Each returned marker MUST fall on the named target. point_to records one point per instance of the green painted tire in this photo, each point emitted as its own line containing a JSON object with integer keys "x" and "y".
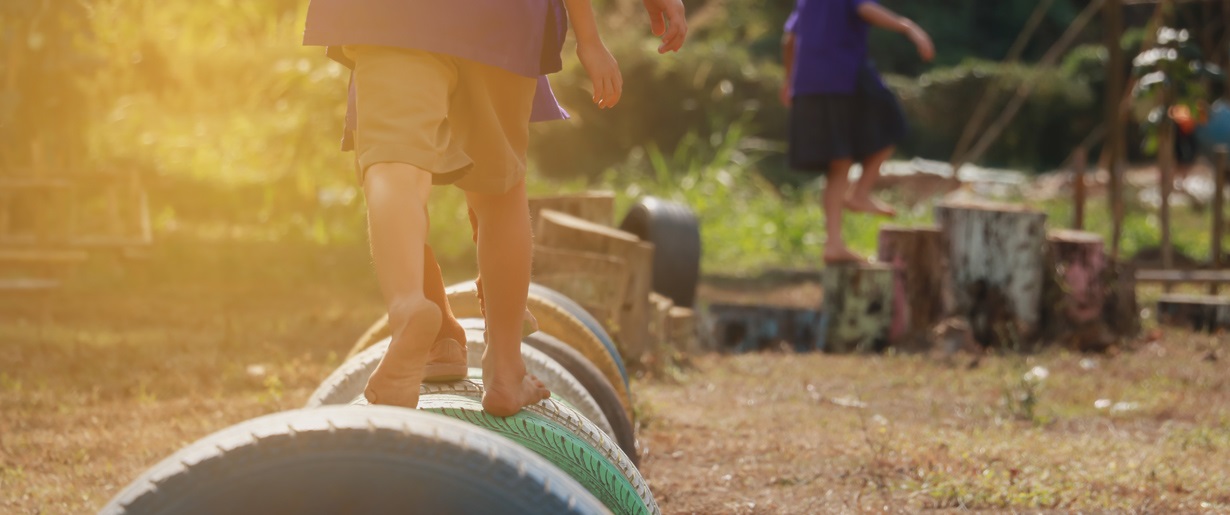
{"x": 557, "y": 433}
{"x": 346, "y": 459}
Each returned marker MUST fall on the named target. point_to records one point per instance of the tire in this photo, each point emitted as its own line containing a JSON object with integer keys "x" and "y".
{"x": 596, "y": 384}
{"x": 675, "y": 233}
{"x": 557, "y": 433}
{"x": 591, "y": 323}
{"x": 346, "y": 459}
{"x": 563, "y": 385}
{"x": 349, "y": 379}
{"x": 555, "y": 321}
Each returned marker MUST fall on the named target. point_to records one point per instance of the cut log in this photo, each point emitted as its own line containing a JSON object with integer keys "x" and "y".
{"x": 683, "y": 330}
{"x": 562, "y": 231}
{"x": 857, "y": 308}
{"x": 597, "y": 282}
{"x": 921, "y": 296}
{"x": 1080, "y": 262}
{"x": 996, "y": 265}
{"x": 594, "y": 206}
{"x": 1199, "y": 312}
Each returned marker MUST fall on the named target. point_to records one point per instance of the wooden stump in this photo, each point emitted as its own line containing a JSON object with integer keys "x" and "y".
{"x": 996, "y": 265}
{"x": 1080, "y": 262}
{"x": 683, "y": 330}
{"x": 921, "y": 296}
{"x": 595, "y": 206}
{"x": 857, "y": 309}
{"x": 1199, "y": 312}
{"x": 562, "y": 231}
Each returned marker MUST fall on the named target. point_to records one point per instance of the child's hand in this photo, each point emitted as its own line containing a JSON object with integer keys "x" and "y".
{"x": 921, "y": 40}
{"x": 603, "y": 72}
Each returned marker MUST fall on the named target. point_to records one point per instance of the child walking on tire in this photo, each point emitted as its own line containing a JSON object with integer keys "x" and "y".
{"x": 444, "y": 94}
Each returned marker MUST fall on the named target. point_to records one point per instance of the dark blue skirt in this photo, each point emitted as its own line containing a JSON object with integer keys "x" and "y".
{"x": 826, "y": 127}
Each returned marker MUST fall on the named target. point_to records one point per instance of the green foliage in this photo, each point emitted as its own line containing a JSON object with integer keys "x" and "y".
{"x": 1059, "y": 113}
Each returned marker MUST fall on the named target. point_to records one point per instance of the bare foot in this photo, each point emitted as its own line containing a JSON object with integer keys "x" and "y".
{"x": 505, "y": 394}
{"x": 870, "y": 205}
{"x": 397, "y": 378}
{"x": 840, "y": 254}
{"x": 446, "y": 362}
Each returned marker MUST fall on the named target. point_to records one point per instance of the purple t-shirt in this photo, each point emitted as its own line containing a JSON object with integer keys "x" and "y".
{"x": 830, "y": 45}
{"x": 522, "y": 36}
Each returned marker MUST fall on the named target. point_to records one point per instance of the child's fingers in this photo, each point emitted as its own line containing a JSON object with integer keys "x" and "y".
{"x": 612, "y": 95}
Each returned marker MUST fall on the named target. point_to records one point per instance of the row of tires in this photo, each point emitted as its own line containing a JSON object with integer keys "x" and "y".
{"x": 573, "y": 453}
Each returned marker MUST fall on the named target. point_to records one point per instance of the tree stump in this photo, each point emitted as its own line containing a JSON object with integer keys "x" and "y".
{"x": 557, "y": 230}
{"x": 1199, "y": 312}
{"x": 921, "y": 296}
{"x": 857, "y": 308}
{"x": 595, "y": 206}
{"x": 1080, "y": 262}
{"x": 996, "y": 265}
{"x": 683, "y": 330}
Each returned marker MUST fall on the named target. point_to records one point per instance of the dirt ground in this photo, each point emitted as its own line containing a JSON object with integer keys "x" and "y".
{"x": 134, "y": 362}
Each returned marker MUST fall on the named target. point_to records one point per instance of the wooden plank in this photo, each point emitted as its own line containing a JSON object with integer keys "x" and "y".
{"x": 594, "y": 206}
{"x": 683, "y": 329}
{"x": 1199, "y": 312}
{"x": 562, "y": 231}
{"x": 42, "y": 256}
{"x": 1183, "y": 276}
{"x": 15, "y": 184}
{"x": 598, "y": 282}
{"x": 26, "y": 285}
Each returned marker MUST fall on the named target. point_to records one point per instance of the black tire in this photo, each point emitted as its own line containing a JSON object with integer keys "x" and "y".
{"x": 675, "y": 233}
{"x": 598, "y": 386}
{"x": 348, "y": 459}
{"x": 586, "y": 318}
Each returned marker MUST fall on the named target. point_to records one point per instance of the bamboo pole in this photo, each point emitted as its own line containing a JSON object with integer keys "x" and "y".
{"x": 997, "y": 127}
{"x": 1078, "y": 190}
{"x": 984, "y": 102}
{"x": 1219, "y": 222}
{"x": 1165, "y": 163}
{"x": 1112, "y": 150}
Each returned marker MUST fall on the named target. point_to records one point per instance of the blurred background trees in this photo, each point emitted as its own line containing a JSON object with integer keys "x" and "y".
{"x": 236, "y": 126}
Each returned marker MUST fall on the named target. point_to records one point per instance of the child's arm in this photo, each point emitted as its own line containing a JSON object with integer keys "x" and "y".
{"x": 597, "y": 60}
{"x": 788, "y": 45}
{"x": 879, "y": 16}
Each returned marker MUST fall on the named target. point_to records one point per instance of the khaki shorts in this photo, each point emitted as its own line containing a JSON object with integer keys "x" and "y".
{"x": 464, "y": 122}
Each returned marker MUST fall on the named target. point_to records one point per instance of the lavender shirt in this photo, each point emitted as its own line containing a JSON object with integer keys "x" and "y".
{"x": 831, "y": 45}
{"x": 522, "y": 36}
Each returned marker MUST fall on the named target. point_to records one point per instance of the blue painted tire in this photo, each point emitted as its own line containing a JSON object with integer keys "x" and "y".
{"x": 349, "y": 459}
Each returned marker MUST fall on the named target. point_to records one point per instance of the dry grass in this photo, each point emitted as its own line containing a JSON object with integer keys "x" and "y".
{"x": 141, "y": 360}
{"x": 773, "y": 433}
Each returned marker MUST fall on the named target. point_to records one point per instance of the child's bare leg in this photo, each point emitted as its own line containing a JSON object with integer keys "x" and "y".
{"x": 504, "y": 254}
{"x": 447, "y": 359}
{"x": 860, "y": 198}
{"x": 838, "y": 182}
{"x": 397, "y": 220}
{"x": 529, "y": 325}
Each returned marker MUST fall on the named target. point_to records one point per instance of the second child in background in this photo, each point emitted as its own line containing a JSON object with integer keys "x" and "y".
{"x": 840, "y": 110}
